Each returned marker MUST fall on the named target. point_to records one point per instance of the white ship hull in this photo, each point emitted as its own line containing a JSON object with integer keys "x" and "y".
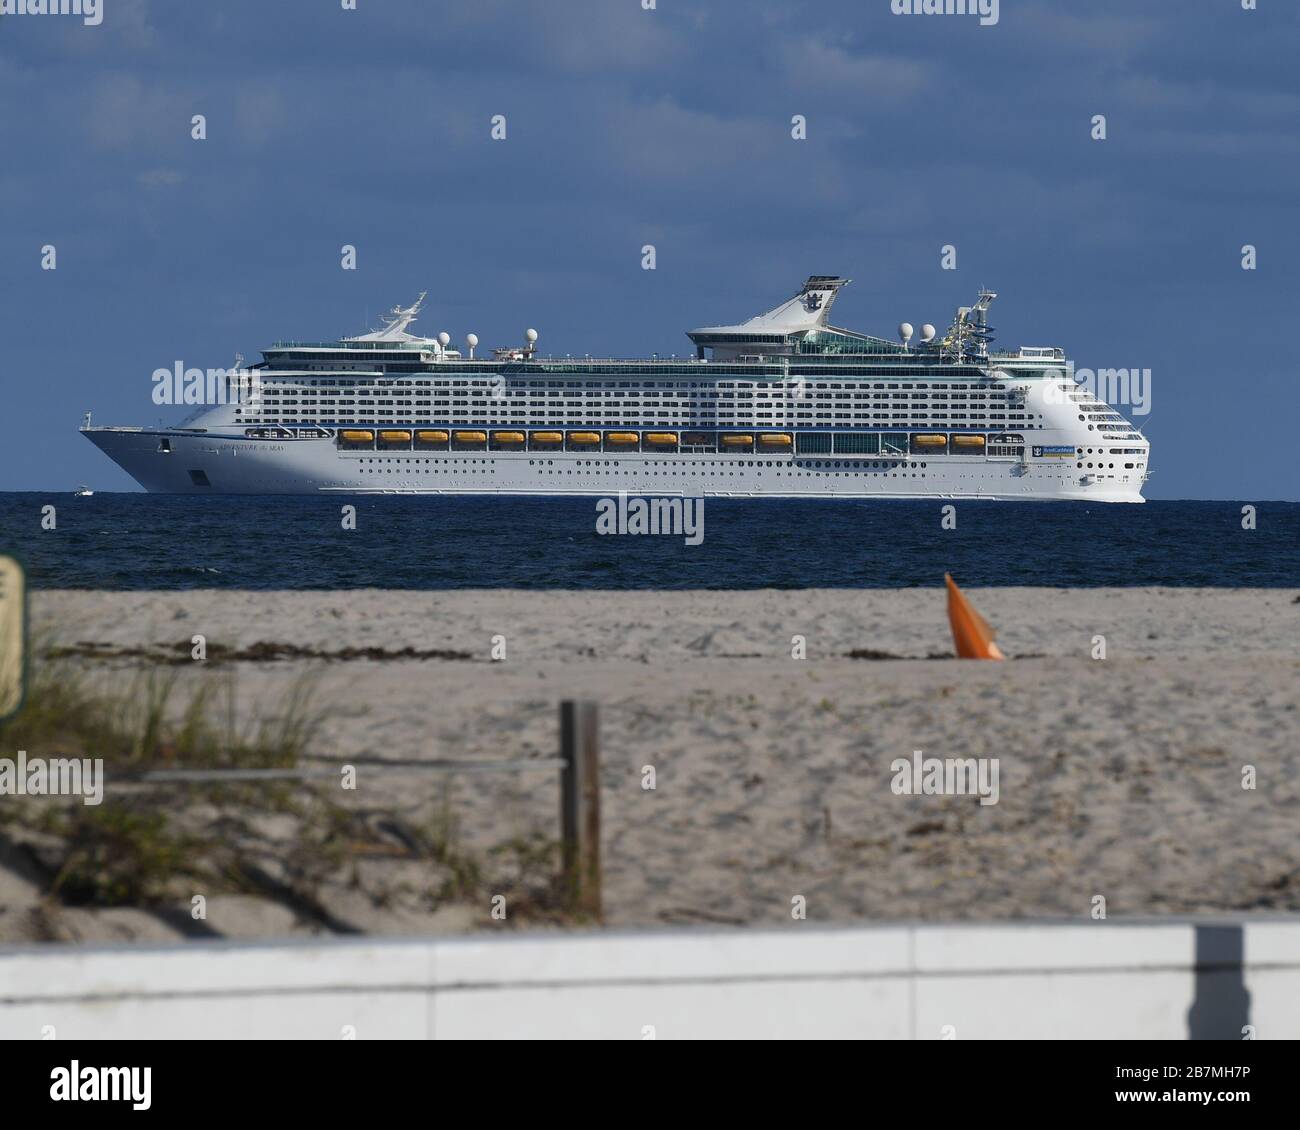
{"x": 238, "y": 465}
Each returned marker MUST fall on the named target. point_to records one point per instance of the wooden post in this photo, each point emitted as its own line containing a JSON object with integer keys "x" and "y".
{"x": 580, "y": 805}
{"x": 13, "y": 636}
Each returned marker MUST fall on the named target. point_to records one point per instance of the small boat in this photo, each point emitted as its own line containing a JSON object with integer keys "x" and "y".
{"x": 357, "y": 435}
{"x": 777, "y": 439}
{"x": 584, "y": 437}
{"x": 968, "y": 442}
{"x": 395, "y": 437}
{"x": 661, "y": 439}
{"x": 83, "y": 491}
{"x": 621, "y": 438}
{"x": 929, "y": 441}
{"x": 432, "y": 437}
{"x": 471, "y": 437}
{"x": 737, "y": 441}
{"x": 507, "y": 437}
{"x": 547, "y": 437}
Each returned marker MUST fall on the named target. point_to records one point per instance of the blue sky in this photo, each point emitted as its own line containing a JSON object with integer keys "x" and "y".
{"x": 671, "y": 127}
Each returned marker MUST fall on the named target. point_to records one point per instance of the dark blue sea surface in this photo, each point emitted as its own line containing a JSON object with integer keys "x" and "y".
{"x": 141, "y": 541}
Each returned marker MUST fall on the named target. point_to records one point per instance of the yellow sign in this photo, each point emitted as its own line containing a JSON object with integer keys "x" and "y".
{"x": 13, "y": 635}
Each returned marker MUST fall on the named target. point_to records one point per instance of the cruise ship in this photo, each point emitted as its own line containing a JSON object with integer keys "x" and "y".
{"x": 784, "y": 404}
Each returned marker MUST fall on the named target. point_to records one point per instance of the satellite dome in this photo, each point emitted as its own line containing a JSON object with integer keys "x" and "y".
{"x": 471, "y": 340}
{"x": 927, "y": 332}
{"x": 444, "y": 339}
{"x": 905, "y": 331}
{"x": 531, "y": 335}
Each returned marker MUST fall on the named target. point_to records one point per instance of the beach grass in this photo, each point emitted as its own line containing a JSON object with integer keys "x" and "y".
{"x": 132, "y": 848}
{"x": 150, "y": 845}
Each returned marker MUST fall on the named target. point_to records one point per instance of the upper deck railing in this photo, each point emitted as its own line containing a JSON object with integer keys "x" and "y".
{"x": 382, "y": 346}
{"x": 767, "y": 360}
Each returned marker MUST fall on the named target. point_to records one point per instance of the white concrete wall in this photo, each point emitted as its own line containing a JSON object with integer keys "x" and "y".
{"x": 1041, "y": 981}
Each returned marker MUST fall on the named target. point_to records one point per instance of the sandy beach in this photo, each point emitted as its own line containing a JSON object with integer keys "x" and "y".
{"x": 1119, "y": 777}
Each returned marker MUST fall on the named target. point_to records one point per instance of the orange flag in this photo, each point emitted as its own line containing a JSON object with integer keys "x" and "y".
{"x": 972, "y": 638}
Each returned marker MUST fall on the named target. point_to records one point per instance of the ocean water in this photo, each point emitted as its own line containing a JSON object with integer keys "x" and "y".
{"x": 141, "y": 541}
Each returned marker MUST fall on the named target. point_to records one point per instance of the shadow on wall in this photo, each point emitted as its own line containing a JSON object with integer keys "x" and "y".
{"x": 1221, "y": 1007}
